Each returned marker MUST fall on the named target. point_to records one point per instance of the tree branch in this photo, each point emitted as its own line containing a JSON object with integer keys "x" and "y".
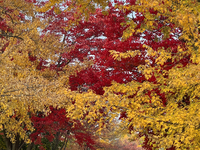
{"x": 6, "y": 35}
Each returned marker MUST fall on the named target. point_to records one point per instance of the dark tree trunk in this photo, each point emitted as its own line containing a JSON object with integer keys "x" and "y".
{"x": 56, "y": 141}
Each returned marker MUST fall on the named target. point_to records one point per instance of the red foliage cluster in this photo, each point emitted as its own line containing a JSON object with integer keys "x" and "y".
{"x": 57, "y": 124}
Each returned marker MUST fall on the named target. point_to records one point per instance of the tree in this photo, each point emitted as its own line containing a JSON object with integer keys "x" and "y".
{"x": 174, "y": 122}
{"x": 55, "y": 130}
{"x": 19, "y": 85}
{"x": 163, "y": 108}
{"x": 30, "y": 84}
{"x": 163, "y": 85}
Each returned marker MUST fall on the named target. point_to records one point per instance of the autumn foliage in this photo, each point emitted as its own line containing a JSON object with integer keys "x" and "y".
{"x": 85, "y": 74}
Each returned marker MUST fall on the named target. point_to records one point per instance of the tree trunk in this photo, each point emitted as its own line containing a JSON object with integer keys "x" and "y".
{"x": 56, "y": 141}
{"x": 30, "y": 146}
{"x": 7, "y": 141}
{"x": 13, "y": 146}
